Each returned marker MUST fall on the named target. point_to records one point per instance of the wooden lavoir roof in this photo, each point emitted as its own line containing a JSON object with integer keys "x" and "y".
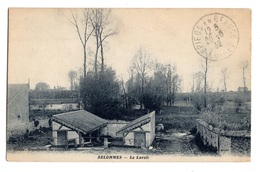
{"x": 136, "y": 123}
{"x": 81, "y": 121}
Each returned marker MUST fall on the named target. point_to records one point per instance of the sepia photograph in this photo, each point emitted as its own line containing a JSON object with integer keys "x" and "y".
{"x": 128, "y": 85}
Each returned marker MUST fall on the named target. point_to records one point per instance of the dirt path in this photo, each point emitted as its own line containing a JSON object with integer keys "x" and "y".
{"x": 177, "y": 143}
{"x": 171, "y": 143}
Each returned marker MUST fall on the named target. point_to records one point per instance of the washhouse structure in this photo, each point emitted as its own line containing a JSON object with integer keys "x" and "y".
{"x": 139, "y": 132}
{"x": 77, "y": 127}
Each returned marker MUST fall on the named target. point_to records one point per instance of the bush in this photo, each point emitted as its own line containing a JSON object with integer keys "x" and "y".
{"x": 152, "y": 101}
{"x": 198, "y": 101}
{"x": 193, "y": 131}
{"x": 214, "y": 117}
{"x": 212, "y": 100}
{"x": 239, "y": 100}
{"x": 100, "y": 93}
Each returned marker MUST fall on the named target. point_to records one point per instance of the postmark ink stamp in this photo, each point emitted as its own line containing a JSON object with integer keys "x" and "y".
{"x": 215, "y": 36}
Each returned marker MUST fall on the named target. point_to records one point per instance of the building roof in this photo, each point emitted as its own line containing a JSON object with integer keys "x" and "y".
{"x": 137, "y": 123}
{"x": 81, "y": 120}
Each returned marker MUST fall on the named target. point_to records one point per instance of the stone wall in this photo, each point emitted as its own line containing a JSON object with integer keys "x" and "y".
{"x": 241, "y": 145}
{"x": 225, "y": 142}
{"x": 208, "y": 134}
{"x": 224, "y": 145}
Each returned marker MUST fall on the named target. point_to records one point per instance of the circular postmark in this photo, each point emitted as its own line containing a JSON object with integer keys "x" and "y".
{"x": 215, "y": 36}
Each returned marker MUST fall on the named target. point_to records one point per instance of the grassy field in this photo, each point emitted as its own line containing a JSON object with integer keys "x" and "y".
{"x": 177, "y": 118}
{"x": 183, "y": 116}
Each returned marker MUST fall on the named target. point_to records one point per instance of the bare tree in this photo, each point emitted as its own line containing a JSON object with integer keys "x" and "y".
{"x": 124, "y": 94}
{"x": 72, "y": 76}
{"x": 173, "y": 82}
{"x": 160, "y": 82}
{"x": 95, "y": 24}
{"x": 80, "y": 19}
{"x": 193, "y": 83}
{"x": 244, "y": 68}
{"x": 224, "y": 77}
{"x": 206, "y": 65}
{"x": 205, "y": 69}
{"x": 103, "y": 28}
{"x": 142, "y": 65}
{"x": 197, "y": 81}
{"x": 198, "y": 98}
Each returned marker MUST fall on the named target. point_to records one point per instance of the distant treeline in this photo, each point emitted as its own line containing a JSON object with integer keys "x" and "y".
{"x": 229, "y": 96}
{"x": 53, "y": 94}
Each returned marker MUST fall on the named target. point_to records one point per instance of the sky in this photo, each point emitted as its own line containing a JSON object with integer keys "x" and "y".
{"x": 43, "y": 46}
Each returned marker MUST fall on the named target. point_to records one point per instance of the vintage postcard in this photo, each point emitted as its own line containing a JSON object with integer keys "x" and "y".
{"x": 134, "y": 85}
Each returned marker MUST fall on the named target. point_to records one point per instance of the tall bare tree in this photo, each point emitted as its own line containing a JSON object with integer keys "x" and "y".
{"x": 169, "y": 81}
{"x": 202, "y": 75}
{"x": 197, "y": 81}
{"x": 205, "y": 67}
{"x": 103, "y": 28}
{"x": 80, "y": 19}
{"x": 224, "y": 77}
{"x": 142, "y": 65}
{"x": 244, "y": 68}
{"x": 72, "y": 76}
{"x": 173, "y": 83}
{"x": 123, "y": 93}
{"x": 198, "y": 97}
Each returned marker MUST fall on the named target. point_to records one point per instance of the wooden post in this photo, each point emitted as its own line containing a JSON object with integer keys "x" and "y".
{"x": 105, "y": 142}
{"x": 218, "y": 151}
{"x": 81, "y": 139}
{"x": 98, "y": 134}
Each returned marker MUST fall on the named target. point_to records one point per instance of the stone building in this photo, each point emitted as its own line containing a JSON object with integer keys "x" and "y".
{"x": 17, "y": 109}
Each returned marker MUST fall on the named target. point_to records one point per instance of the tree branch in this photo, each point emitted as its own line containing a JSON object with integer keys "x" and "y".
{"x": 77, "y": 27}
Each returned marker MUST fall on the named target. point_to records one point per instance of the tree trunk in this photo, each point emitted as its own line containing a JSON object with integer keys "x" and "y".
{"x": 205, "y": 82}
{"x": 124, "y": 96}
{"x": 244, "y": 80}
{"x": 84, "y": 99}
{"x": 71, "y": 83}
{"x": 102, "y": 54}
{"x": 96, "y": 54}
{"x": 225, "y": 84}
{"x": 142, "y": 93}
{"x": 85, "y": 63}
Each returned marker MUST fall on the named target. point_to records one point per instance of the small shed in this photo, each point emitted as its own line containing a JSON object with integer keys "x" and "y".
{"x": 77, "y": 127}
{"x": 140, "y": 132}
